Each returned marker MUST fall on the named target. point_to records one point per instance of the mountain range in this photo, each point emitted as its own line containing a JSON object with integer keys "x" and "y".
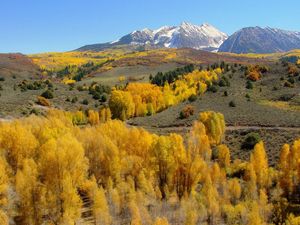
{"x": 186, "y": 35}
{"x": 207, "y": 37}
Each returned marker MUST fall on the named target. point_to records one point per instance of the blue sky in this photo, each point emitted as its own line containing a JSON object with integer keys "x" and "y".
{"x": 31, "y": 26}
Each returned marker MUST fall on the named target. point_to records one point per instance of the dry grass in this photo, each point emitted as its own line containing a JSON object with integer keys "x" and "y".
{"x": 281, "y": 105}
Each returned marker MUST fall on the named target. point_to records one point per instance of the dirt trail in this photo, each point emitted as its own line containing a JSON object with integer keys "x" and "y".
{"x": 262, "y": 128}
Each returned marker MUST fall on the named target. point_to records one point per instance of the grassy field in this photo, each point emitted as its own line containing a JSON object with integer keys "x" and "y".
{"x": 139, "y": 73}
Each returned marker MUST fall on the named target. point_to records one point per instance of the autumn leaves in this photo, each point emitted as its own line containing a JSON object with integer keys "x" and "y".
{"x": 141, "y": 99}
{"x": 52, "y": 170}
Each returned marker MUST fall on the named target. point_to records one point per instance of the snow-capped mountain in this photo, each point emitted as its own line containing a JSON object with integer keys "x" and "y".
{"x": 186, "y": 35}
{"x": 261, "y": 40}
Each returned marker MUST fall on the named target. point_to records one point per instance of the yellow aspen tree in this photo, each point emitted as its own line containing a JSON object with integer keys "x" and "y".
{"x": 116, "y": 201}
{"x": 223, "y": 156}
{"x": 4, "y": 184}
{"x": 235, "y": 190}
{"x": 164, "y": 163}
{"x": 198, "y": 142}
{"x": 296, "y": 155}
{"x": 254, "y": 217}
{"x": 289, "y": 166}
{"x": 144, "y": 184}
{"x": 292, "y": 220}
{"x": 180, "y": 177}
{"x": 93, "y": 117}
{"x": 150, "y": 109}
{"x": 191, "y": 212}
{"x": 121, "y": 105}
{"x": 215, "y": 174}
{"x": 99, "y": 204}
{"x": 135, "y": 213}
{"x": 107, "y": 114}
{"x": 79, "y": 118}
{"x": 143, "y": 202}
{"x": 285, "y": 170}
{"x": 234, "y": 213}
{"x": 102, "y": 115}
{"x": 103, "y": 155}
{"x": 63, "y": 169}
{"x": 211, "y": 196}
{"x": 251, "y": 179}
{"x": 214, "y": 125}
{"x": 3, "y": 218}
{"x": 140, "y": 107}
{"x": 71, "y": 202}
{"x": 18, "y": 141}
{"x": 161, "y": 221}
{"x": 259, "y": 161}
{"x": 29, "y": 191}
{"x": 265, "y": 207}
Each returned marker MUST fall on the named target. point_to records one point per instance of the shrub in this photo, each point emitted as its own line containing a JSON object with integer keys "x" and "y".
{"x": 291, "y": 80}
{"x": 251, "y": 140}
{"x": 47, "y": 94}
{"x": 225, "y": 93}
{"x": 80, "y": 88}
{"x": 254, "y": 75}
{"x": 232, "y": 104}
{"x": 192, "y": 98}
{"x": 249, "y": 85}
{"x": 187, "y": 112}
{"x": 96, "y": 96}
{"x": 2, "y": 79}
{"x": 85, "y": 102}
{"x": 223, "y": 82}
{"x": 288, "y": 84}
{"x": 213, "y": 88}
{"x": 43, "y": 101}
{"x": 293, "y": 70}
{"x": 50, "y": 85}
{"x": 35, "y": 111}
{"x": 74, "y": 99}
{"x": 103, "y": 98}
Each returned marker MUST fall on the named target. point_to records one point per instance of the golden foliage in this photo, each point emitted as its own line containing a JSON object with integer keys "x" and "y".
{"x": 140, "y": 99}
{"x": 128, "y": 175}
{"x": 121, "y": 104}
{"x": 254, "y": 75}
{"x": 214, "y": 125}
{"x": 43, "y": 101}
{"x": 259, "y": 161}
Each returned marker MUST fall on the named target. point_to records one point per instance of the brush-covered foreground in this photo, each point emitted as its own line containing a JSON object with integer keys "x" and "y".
{"x": 54, "y": 172}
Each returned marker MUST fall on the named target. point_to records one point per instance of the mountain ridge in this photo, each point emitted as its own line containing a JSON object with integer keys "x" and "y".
{"x": 261, "y": 40}
{"x": 186, "y": 35}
